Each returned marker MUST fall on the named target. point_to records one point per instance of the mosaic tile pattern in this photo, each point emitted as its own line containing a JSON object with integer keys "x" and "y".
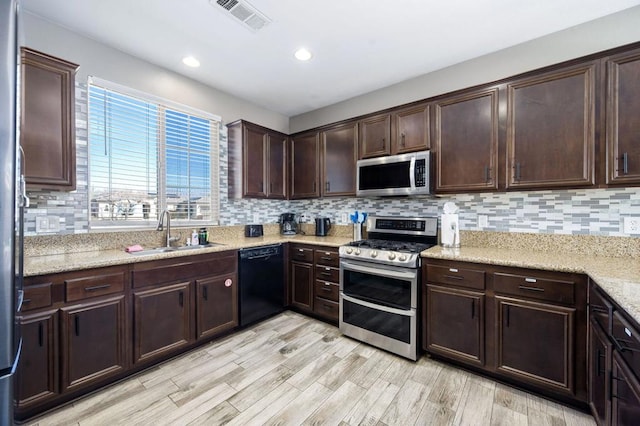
{"x": 585, "y": 211}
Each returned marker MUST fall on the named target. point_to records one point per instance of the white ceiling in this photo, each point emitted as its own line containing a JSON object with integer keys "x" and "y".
{"x": 358, "y": 45}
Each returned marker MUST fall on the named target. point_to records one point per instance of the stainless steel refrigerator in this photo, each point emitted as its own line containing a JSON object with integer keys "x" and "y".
{"x": 11, "y": 216}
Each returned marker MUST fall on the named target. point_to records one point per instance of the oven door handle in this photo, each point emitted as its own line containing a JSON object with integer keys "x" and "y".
{"x": 379, "y": 271}
{"x": 406, "y": 313}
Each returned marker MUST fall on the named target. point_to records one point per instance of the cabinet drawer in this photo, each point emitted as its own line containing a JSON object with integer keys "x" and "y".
{"x": 328, "y": 273}
{"x": 37, "y": 296}
{"x": 532, "y": 287}
{"x": 97, "y": 285}
{"x": 327, "y": 257}
{"x": 327, "y": 290}
{"x": 302, "y": 254}
{"x": 326, "y": 308}
{"x": 626, "y": 341}
{"x": 460, "y": 277}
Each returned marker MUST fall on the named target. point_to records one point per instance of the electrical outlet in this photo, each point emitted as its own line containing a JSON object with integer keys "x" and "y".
{"x": 42, "y": 224}
{"x": 631, "y": 225}
{"x": 344, "y": 217}
{"x": 483, "y": 221}
{"x": 256, "y": 218}
{"x": 46, "y": 224}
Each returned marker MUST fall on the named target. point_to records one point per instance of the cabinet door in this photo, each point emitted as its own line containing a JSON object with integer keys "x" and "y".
{"x": 302, "y": 285}
{"x": 162, "y": 321}
{"x": 47, "y": 128}
{"x": 94, "y": 342}
{"x": 305, "y": 166}
{"x": 551, "y": 129}
{"x": 216, "y": 305}
{"x": 455, "y": 324}
{"x": 535, "y": 343}
{"x": 277, "y": 166}
{"x": 625, "y": 394}
{"x": 374, "y": 136}
{"x": 339, "y": 156}
{"x": 623, "y": 121}
{"x": 466, "y": 142}
{"x": 253, "y": 162}
{"x": 37, "y": 376}
{"x": 599, "y": 369}
{"x": 411, "y": 129}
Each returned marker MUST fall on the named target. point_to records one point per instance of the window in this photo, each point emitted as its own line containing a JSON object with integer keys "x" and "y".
{"x": 147, "y": 155}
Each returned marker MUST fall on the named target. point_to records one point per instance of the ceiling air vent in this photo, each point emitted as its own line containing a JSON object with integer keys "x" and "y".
{"x": 242, "y": 12}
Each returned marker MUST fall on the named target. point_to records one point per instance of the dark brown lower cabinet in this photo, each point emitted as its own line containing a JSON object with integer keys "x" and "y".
{"x": 455, "y": 323}
{"x": 93, "y": 341}
{"x": 600, "y": 359}
{"x": 37, "y": 377}
{"x": 216, "y": 305}
{"x": 162, "y": 320}
{"x": 302, "y": 286}
{"x": 625, "y": 394}
{"x": 535, "y": 342}
{"x": 527, "y": 327}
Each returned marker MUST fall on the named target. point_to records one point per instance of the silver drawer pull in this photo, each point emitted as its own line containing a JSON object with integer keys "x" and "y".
{"x": 453, "y": 270}
{"x": 97, "y": 287}
{"x": 531, "y": 280}
{"x": 524, "y": 287}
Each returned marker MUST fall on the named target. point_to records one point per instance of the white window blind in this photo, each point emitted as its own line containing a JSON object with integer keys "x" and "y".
{"x": 146, "y": 155}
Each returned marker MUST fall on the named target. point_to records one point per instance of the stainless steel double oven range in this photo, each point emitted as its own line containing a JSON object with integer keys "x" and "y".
{"x": 380, "y": 283}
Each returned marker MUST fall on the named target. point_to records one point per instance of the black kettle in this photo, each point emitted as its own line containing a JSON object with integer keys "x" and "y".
{"x": 323, "y": 225}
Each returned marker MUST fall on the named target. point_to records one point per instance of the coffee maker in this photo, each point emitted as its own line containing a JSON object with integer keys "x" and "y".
{"x": 288, "y": 225}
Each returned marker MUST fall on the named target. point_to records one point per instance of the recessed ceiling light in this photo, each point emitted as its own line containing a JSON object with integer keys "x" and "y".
{"x": 190, "y": 61}
{"x": 303, "y": 54}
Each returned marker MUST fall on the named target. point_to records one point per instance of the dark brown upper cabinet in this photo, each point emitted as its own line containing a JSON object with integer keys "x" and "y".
{"x": 257, "y": 161}
{"x": 305, "y": 165}
{"x": 623, "y": 119}
{"x": 466, "y": 142}
{"x": 401, "y": 130}
{"x": 338, "y": 159}
{"x": 410, "y": 129}
{"x": 375, "y": 136}
{"x": 551, "y": 129}
{"x": 47, "y": 122}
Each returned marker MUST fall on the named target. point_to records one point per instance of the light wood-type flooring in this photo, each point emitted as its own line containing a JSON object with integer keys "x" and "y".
{"x": 294, "y": 370}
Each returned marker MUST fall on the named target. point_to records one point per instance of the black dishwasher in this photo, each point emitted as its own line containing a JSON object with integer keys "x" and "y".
{"x": 261, "y": 283}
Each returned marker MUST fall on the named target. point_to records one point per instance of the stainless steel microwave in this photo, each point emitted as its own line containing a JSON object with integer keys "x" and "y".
{"x": 404, "y": 174}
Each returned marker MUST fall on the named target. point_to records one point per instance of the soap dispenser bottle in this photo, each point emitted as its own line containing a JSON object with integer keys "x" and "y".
{"x": 194, "y": 238}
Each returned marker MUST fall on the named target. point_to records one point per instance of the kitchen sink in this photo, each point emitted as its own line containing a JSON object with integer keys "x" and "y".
{"x": 172, "y": 249}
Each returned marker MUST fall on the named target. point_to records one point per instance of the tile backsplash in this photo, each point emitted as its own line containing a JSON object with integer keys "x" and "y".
{"x": 582, "y": 211}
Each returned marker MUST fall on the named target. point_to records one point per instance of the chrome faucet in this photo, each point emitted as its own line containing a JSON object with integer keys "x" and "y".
{"x": 160, "y": 226}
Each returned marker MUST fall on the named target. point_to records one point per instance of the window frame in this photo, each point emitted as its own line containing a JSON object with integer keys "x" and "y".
{"x": 162, "y": 105}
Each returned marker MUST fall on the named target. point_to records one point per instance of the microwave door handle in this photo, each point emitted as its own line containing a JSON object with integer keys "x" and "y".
{"x": 377, "y": 271}
{"x": 412, "y": 172}
{"x": 406, "y": 313}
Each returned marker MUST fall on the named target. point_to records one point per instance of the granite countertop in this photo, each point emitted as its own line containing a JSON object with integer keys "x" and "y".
{"x": 619, "y": 277}
{"x": 55, "y": 263}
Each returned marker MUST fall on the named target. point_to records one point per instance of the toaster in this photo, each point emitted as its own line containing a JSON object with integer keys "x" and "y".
{"x": 253, "y": 231}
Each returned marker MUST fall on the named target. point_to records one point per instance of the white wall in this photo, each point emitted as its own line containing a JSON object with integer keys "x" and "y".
{"x": 598, "y": 35}
{"x": 110, "y": 64}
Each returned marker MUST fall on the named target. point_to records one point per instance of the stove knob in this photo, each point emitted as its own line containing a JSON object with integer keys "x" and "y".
{"x": 392, "y": 256}
{"x": 402, "y": 258}
{"x": 357, "y": 252}
{"x": 349, "y": 250}
{"x": 374, "y": 253}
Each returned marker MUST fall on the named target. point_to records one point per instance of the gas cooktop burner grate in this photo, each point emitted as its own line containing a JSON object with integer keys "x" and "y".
{"x": 398, "y": 246}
